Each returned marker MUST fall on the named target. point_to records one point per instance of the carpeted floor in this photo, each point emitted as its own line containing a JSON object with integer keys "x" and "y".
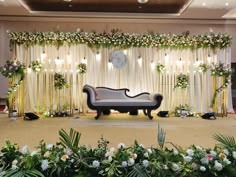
{"x": 117, "y": 128}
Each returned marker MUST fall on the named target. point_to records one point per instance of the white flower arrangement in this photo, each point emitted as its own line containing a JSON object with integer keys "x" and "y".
{"x": 37, "y": 66}
{"x": 82, "y": 68}
{"x": 182, "y": 81}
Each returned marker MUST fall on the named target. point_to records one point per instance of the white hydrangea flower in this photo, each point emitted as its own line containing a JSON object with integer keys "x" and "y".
{"x": 121, "y": 146}
{"x": 141, "y": 145}
{"x": 25, "y": 149}
{"x": 188, "y": 158}
{"x": 190, "y": 152}
{"x": 227, "y": 161}
{"x": 124, "y": 164}
{"x": 96, "y": 164}
{"x": 234, "y": 154}
{"x": 131, "y": 161}
{"x": 226, "y": 152}
{"x": 165, "y": 167}
{"x": 146, "y": 155}
{"x": 199, "y": 148}
{"x": 213, "y": 153}
{"x": 175, "y": 167}
{"x": 112, "y": 149}
{"x": 44, "y": 165}
{"x": 202, "y": 168}
{"x": 145, "y": 163}
{"x": 49, "y": 146}
{"x": 218, "y": 166}
{"x": 134, "y": 156}
{"x": 175, "y": 152}
{"x": 33, "y": 153}
{"x": 204, "y": 161}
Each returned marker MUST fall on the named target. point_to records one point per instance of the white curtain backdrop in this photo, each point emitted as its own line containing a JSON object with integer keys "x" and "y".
{"x": 40, "y": 92}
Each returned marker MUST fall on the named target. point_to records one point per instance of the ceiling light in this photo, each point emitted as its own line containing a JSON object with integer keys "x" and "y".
{"x": 142, "y": 1}
{"x": 67, "y": 0}
{"x": 2, "y": 0}
{"x": 226, "y": 3}
{"x": 203, "y": 3}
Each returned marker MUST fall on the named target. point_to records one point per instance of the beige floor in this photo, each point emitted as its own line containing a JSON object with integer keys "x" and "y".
{"x": 117, "y": 128}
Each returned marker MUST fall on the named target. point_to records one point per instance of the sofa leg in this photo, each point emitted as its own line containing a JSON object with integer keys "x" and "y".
{"x": 149, "y": 114}
{"x": 98, "y": 114}
{"x": 145, "y": 112}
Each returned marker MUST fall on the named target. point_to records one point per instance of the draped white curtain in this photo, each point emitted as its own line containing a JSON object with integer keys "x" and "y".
{"x": 40, "y": 92}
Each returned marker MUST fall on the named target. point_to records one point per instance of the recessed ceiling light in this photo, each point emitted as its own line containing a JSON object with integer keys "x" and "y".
{"x": 227, "y": 4}
{"x": 2, "y": 0}
{"x": 203, "y": 3}
{"x": 142, "y": 1}
{"x": 67, "y": 0}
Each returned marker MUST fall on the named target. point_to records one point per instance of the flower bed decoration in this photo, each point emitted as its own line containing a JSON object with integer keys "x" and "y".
{"x": 183, "y": 111}
{"x": 68, "y": 158}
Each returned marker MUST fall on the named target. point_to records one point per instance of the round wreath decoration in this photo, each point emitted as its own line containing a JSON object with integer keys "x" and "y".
{"x": 182, "y": 81}
{"x": 37, "y": 66}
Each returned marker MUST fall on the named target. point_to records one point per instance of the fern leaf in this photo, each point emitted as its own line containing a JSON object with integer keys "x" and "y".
{"x": 225, "y": 141}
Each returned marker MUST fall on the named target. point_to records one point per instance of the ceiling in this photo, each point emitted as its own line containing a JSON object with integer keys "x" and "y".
{"x": 190, "y": 9}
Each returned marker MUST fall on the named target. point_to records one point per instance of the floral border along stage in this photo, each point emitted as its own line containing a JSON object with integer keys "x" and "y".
{"x": 123, "y": 40}
{"x": 68, "y": 158}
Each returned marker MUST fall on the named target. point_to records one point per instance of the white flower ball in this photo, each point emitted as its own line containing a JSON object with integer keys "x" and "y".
{"x": 110, "y": 158}
{"x": 145, "y": 163}
{"x": 234, "y": 154}
{"x": 227, "y": 161}
{"x": 25, "y": 149}
{"x": 202, "y": 168}
{"x": 149, "y": 151}
{"x": 190, "y": 152}
{"x": 44, "y": 165}
{"x": 14, "y": 162}
{"x": 175, "y": 152}
{"x": 131, "y": 162}
{"x": 213, "y": 153}
{"x": 175, "y": 167}
{"x": 187, "y": 158}
{"x": 49, "y": 146}
{"x": 218, "y": 166}
{"x": 146, "y": 155}
{"x": 124, "y": 164}
{"x": 204, "y": 161}
{"x": 33, "y": 153}
{"x": 112, "y": 149}
{"x": 96, "y": 164}
{"x": 226, "y": 152}
{"x": 121, "y": 146}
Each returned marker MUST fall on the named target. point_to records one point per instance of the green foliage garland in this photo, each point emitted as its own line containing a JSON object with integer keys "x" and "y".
{"x": 123, "y": 40}
{"x": 68, "y": 158}
{"x": 13, "y": 69}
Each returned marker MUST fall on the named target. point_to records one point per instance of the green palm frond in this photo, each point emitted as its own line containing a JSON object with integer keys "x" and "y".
{"x": 138, "y": 171}
{"x": 70, "y": 140}
{"x": 161, "y": 136}
{"x": 23, "y": 173}
{"x": 226, "y": 141}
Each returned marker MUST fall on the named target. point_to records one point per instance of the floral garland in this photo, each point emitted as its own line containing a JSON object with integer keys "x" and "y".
{"x": 59, "y": 81}
{"x": 123, "y": 40}
{"x": 182, "y": 81}
{"x": 82, "y": 68}
{"x": 69, "y": 158}
{"x": 37, "y": 66}
{"x": 160, "y": 68}
{"x": 220, "y": 70}
{"x": 183, "y": 110}
{"x": 202, "y": 68}
{"x": 11, "y": 69}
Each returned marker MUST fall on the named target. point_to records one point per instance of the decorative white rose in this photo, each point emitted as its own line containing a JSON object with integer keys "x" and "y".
{"x": 234, "y": 154}
{"x": 134, "y": 156}
{"x": 199, "y": 148}
{"x": 187, "y": 158}
{"x": 25, "y": 149}
{"x": 14, "y": 162}
{"x": 46, "y": 154}
{"x": 49, "y": 146}
{"x": 44, "y": 165}
{"x": 190, "y": 152}
{"x": 121, "y": 146}
{"x": 175, "y": 167}
{"x": 131, "y": 162}
{"x": 112, "y": 149}
{"x": 141, "y": 145}
{"x": 149, "y": 150}
{"x": 218, "y": 166}
{"x": 96, "y": 164}
{"x": 33, "y": 153}
{"x": 124, "y": 164}
{"x": 204, "y": 161}
{"x": 213, "y": 153}
{"x": 146, "y": 155}
{"x": 227, "y": 161}
{"x": 145, "y": 163}
{"x": 110, "y": 158}
{"x": 202, "y": 168}
{"x": 175, "y": 152}
{"x": 226, "y": 152}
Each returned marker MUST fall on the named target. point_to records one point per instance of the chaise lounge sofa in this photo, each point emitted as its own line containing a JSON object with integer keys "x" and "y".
{"x": 103, "y": 99}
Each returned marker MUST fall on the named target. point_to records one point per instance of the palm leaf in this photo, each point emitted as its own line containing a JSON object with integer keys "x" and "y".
{"x": 161, "y": 137}
{"x": 226, "y": 141}
{"x": 70, "y": 140}
{"x": 138, "y": 171}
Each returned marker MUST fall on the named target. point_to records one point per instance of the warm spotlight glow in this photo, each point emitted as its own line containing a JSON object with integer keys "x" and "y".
{"x": 58, "y": 61}
{"x": 125, "y": 52}
{"x": 98, "y": 56}
{"x": 166, "y": 58}
{"x": 152, "y": 65}
{"x": 84, "y": 60}
{"x": 68, "y": 58}
{"x": 29, "y": 70}
{"x": 179, "y": 62}
{"x": 140, "y": 60}
{"x": 110, "y": 66}
{"x": 43, "y": 56}
{"x": 209, "y": 58}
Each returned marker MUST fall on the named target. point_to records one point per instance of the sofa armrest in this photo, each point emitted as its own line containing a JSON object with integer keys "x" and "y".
{"x": 156, "y": 97}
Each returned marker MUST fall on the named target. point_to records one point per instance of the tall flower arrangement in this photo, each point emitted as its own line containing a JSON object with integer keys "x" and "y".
{"x": 13, "y": 69}
{"x": 220, "y": 70}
